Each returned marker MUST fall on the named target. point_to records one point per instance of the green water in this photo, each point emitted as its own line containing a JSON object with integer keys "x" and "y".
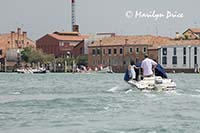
{"x": 96, "y": 103}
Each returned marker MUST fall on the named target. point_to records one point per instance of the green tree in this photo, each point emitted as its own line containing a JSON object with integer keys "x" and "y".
{"x": 82, "y": 60}
{"x": 31, "y": 55}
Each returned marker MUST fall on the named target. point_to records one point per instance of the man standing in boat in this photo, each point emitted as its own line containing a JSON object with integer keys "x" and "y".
{"x": 148, "y": 65}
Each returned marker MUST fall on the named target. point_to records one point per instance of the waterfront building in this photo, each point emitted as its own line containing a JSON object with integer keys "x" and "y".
{"x": 116, "y": 51}
{"x": 192, "y": 33}
{"x": 62, "y": 44}
{"x": 10, "y": 46}
{"x": 180, "y": 56}
{"x": 119, "y": 51}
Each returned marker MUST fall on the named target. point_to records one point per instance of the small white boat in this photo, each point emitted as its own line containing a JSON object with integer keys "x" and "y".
{"x": 154, "y": 83}
{"x": 159, "y": 82}
{"x": 31, "y": 71}
{"x": 105, "y": 70}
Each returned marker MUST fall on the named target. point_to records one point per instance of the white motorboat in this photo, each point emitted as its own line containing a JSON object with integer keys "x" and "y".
{"x": 154, "y": 83}
{"x": 159, "y": 82}
{"x": 31, "y": 71}
{"x": 106, "y": 70}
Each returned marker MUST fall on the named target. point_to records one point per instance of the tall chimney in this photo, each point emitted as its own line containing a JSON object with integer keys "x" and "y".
{"x": 19, "y": 31}
{"x": 12, "y": 40}
{"x": 24, "y": 39}
{"x": 73, "y": 13}
{"x": 177, "y": 35}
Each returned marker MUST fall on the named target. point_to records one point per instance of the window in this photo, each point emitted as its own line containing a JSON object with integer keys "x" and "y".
{"x": 184, "y": 51}
{"x": 164, "y": 51}
{"x": 174, "y": 51}
{"x": 115, "y": 51}
{"x": 131, "y": 50}
{"x": 94, "y": 63}
{"x": 1, "y": 52}
{"x": 195, "y": 50}
{"x": 121, "y": 51}
{"x": 137, "y": 50}
{"x": 98, "y": 51}
{"x": 93, "y": 51}
{"x": 184, "y": 60}
{"x": 195, "y": 59}
{"x": 164, "y": 61}
{"x": 16, "y": 41}
{"x": 144, "y": 50}
{"x": 81, "y": 50}
{"x": 109, "y": 51}
{"x": 174, "y": 60}
{"x": 104, "y": 51}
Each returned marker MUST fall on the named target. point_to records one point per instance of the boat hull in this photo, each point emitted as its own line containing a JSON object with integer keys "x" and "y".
{"x": 153, "y": 83}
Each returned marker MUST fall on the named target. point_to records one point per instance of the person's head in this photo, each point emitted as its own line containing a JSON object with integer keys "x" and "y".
{"x": 132, "y": 62}
{"x": 146, "y": 56}
{"x": 129, "y": 67}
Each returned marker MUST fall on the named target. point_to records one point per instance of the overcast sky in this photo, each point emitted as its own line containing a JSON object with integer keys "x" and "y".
{"x": 40, "y": 17}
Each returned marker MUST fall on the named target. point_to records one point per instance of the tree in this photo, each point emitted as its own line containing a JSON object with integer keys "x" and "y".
{"x": 31, "y": 55}
{"x": 82, "y": 60}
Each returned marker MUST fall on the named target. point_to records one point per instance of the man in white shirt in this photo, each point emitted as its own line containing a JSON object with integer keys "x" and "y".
{"x": 148, "y": 65}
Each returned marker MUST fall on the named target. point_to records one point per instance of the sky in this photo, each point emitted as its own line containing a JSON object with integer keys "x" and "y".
{"x": 41, "y": 17}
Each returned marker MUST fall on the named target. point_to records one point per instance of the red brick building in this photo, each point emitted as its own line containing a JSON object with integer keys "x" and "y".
{"x": 62, "y": 44}
{"x": 119, "y": 51}
{"x": 116, "y": 52}
{"x": 12, "y": 42}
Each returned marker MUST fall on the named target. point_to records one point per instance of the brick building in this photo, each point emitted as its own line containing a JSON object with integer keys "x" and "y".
{"x": 11, "y": 44}
{"x": 116, "y": 51}
{"x": 62, "y": 44}
{"x": 192, "y": 33}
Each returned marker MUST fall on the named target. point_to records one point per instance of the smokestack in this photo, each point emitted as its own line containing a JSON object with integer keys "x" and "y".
{"x": 75, "y": 28}
{"x": 12, "y": 39}
{"x": 73, "y": 14}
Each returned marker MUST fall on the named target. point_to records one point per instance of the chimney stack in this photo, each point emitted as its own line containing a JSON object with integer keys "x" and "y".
{"x": 75, "y": 28}
{"x": 12, "y": 40}
{"x": 177, "y": 35}
{"x": 19, "y": 31}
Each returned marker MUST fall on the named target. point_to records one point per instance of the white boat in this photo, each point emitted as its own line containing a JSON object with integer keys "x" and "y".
{"x": 154, "y": 83}
{"x": 105, "y": 70}
{"x": 159, "y": 82}
{"x": 31, "y": 71}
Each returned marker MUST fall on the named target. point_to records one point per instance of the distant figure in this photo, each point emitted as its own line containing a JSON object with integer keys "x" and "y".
{"x": 148, "y": 65}
{"x": 131, "y": 73}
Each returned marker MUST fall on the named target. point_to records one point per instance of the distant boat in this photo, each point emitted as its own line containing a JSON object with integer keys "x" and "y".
{"x": 32, "y": 71}
{"x": 105, "y": 70}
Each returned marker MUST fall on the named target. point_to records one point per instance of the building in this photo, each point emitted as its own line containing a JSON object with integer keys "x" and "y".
{"x": 180, "y": 56}
{"x": 117, "y": 52}
{"x": 62, "y": 44}
{"x": 192, "y": 33}
{"x": 10, "y": 46}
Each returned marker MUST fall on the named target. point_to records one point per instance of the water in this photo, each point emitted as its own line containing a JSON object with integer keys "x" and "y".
{"x": 96, "y": 103}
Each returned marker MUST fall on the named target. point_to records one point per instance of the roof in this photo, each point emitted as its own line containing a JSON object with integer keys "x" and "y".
{"x": 182, "y": 42}
{"x": 152, "y": 41}
{"x": 195, "y": 30}
{"x": 4, "y": 38}
{"x": 68, "y": 36}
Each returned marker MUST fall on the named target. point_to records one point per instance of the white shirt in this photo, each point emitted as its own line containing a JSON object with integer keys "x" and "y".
{"x": 133, "y": 71}
{"x": 147, "y": 65}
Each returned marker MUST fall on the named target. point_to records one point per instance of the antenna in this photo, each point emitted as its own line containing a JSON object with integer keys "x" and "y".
{"x": 73, "y": 13}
